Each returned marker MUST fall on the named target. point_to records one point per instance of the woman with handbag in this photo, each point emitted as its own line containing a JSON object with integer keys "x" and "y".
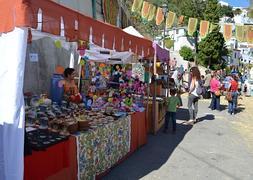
{"x": 233, "y": 95}
{"x": 194, "y": 84}
{"x": 215, "y": 86}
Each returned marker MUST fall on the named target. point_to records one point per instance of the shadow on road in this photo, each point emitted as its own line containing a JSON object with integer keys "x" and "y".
{"x": 151, "y": 156}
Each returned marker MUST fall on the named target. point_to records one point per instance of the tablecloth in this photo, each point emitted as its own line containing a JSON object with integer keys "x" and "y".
{"x": 56, "y": 162}
{"x": 101, "y": 148}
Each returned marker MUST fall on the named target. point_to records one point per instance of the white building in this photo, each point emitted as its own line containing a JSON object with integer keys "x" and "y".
{"x": 222, "y": 3}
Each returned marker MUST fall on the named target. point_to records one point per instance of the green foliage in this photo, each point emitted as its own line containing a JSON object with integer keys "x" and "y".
{"x": 237, "y": 11}
{"x": 169, "y": 43}
{"x": 212, "y": 12}
{"x": 211, "y": 50}
{"x": 193, "y": 8}
{"x": 186, "y": 53}
{"x": 226, "y": 11}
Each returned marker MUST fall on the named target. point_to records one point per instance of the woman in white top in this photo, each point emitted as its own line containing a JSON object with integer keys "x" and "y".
{"x": 193, "y": 94}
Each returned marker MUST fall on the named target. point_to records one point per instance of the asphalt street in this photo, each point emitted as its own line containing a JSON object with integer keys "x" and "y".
{"x": 219, "y": 147}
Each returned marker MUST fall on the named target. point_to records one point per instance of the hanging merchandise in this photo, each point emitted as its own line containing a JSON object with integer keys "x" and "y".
{"x": 192, "y": 26}
{"x": 145, "y": 10}
{"x": 204, "y": 28}
{"x": 227, "y": 32}
{"x": 181, "y": 20}
{"x": 159, "y": 16}
{"x": 136, "y": 7}
{"x": 239, "y": 31}
{"x": 250, "y": 35}
{"x": 170, "y": 19}
{"x": 152, "y": 10}
{"x": 57, "y": 44}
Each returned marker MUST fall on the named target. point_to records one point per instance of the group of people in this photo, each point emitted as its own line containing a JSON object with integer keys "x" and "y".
{"x": 213, "y": 85}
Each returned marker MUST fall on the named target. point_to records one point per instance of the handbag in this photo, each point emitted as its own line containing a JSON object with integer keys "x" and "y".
{"x": 217, "y": 93}
{"x": 229, "y": 96}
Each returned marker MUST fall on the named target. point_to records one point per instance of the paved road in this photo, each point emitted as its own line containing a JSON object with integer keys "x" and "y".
{"x": 220, "y": 147}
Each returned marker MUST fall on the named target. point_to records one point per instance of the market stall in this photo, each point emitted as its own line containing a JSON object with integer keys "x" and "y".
{"x": 16, "y": 26}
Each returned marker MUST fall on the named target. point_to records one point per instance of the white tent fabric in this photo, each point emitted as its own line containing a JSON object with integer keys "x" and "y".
{"x": 99, "y": 54}
{"x": 12, "y": 51}
{"x": 131, "y": 30}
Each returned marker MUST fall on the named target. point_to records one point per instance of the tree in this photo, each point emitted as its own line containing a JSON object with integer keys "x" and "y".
{"x": 212, "y": 12}
{"x": 186, "y": 53}
{"x": 212, "y": 49}
{"x": 237, "y": 11}
{"x": 226, "y": 11}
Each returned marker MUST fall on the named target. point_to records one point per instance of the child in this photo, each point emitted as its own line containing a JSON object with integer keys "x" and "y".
{"x": 173, "y": 103}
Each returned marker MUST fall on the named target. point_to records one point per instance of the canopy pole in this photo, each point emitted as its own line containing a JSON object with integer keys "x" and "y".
{"x": 154, "y": 94}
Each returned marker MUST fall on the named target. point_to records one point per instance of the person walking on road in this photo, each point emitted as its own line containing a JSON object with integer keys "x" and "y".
{"x": 215, "y": 86}
{"x": 233, "y": 89}
{"x": 173, "y": 103}
{"x": 193, "y": 98}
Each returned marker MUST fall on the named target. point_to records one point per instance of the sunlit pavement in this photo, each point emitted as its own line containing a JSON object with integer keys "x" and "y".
{"x": 220, "y": 147}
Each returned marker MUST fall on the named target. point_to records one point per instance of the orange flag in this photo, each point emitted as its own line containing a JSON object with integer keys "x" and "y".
{"x": 250, "y": 35}
{"x": 159, "y": 16}
{"x": 204, "y": 28}
{"x": 181, "y": 20}
{"x": 170, "y": 19}
{"x": 145, "y": 10}
{"x": 227, "y": 32}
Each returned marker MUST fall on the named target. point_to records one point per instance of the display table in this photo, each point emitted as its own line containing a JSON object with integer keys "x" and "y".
{"x": 138, "y": 130}
{"x": 100, "y": 149}
{"x": 56, "y": 162}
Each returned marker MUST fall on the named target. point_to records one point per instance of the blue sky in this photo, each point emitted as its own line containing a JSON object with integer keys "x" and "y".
{"x": 240, "y": 3}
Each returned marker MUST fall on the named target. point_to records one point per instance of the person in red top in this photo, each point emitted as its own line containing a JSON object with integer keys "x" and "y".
{"x": 233, "y": 89}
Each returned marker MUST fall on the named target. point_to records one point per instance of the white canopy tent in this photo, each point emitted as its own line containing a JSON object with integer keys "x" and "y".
{"x": 131, "y": 30}
{"x": 103, "y": 55}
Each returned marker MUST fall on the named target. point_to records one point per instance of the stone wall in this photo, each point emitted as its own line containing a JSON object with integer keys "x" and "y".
{"x": 38, "y": 74}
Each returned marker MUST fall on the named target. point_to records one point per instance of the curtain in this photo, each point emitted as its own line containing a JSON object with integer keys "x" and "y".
{"x": 12, "y": 52}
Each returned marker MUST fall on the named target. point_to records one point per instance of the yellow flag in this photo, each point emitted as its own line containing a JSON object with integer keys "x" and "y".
{"x": 204, "y": 28}
{"x": 239, "y": 33}
{"x": 152, "y": 10}
{"x": 227, "y": 34}
{"x": 192, "y": 26}
{"x": 170, "y": 19}
{"x": 137, "y": 4}
{"x": 159, "y": 16}
{"x": 145, "y": 10}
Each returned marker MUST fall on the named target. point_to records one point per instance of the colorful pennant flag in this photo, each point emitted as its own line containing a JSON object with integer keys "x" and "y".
{"x": 137, "y": 4}
{"x": 159, "y": 16}
{"x": 170, "y": 19}
{"x": 250, "y": 35}
{"x": 192, "y": 26}
{"x": 181, "y": 20}
{"x": 152, "y": 10}
{"x": 204, "y": 28}
{"x": 145, "y": 10}
{"x": 227, "y": 33}
{"x": 239, "y": 33}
